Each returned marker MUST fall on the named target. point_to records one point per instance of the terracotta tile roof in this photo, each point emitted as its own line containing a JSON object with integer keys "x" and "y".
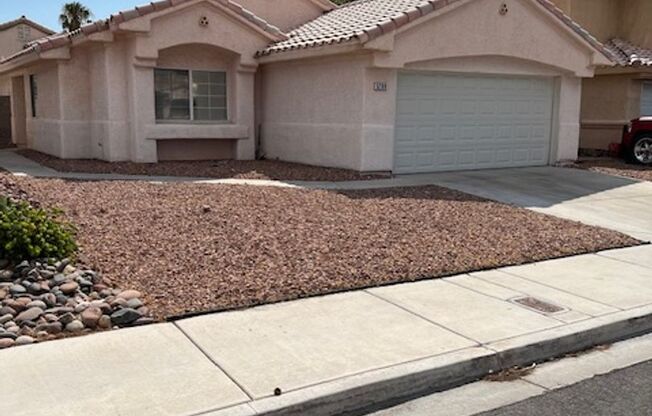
{"x": 65, "y": 38}
{"x": 363, "y": 20}
{"x": 22, "y": 20}
{"x": 628, "y": 54}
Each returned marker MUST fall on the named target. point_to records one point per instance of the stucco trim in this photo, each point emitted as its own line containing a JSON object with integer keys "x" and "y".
{"x": 170, "y": 131}
{"x": 607, "y": 124}
{"x": 316, "y": 52}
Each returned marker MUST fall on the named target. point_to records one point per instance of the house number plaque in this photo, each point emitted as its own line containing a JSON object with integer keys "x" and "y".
{"x": 380, "y": 86}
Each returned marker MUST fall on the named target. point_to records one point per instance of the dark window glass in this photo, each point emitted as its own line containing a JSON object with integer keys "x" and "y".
{"x": 172, "y": 89}
{"x": 33, "y": 91}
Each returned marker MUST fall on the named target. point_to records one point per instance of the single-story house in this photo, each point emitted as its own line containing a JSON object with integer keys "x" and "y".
{"x": 375, "y": 85}
{"x": 618, "y": 93}
{"x": 14, "y": 35}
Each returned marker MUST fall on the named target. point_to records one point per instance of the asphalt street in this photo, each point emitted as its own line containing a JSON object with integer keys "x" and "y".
{"x": 626, "y": 392}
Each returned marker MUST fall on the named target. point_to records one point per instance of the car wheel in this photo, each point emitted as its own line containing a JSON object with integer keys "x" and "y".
{"x": 642, "y": 150}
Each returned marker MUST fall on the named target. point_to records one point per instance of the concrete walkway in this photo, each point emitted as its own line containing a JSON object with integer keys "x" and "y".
{"x": 607, "y": 201}
{"x": 337, "y": 353}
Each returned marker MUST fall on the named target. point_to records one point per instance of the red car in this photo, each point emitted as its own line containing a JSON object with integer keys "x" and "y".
{"x": 637, "y": 141}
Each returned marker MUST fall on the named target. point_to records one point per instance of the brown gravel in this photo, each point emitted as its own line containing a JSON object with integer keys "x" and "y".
{"x": 616, "y": 167}
{"x": 221, "y": 169}
{"x": 10, "y": 189}
{"x": 191, "y": 247}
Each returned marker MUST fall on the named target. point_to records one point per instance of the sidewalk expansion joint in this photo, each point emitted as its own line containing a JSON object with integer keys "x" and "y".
{"x": 623, "y": 261}
{"x": 476, "y": 342}
{"x": 215, "y": 363}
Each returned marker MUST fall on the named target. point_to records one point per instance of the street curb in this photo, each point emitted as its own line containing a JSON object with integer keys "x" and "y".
{"x": 374, "y": 390}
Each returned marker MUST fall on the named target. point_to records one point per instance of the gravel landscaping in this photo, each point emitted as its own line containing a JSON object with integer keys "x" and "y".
{"x": 49, "y": 299}
{"x": 220, "y": 169}
{"x": 40, "y": 301}
{"x": 192, "y": 247}
{"x": 616, "y": 167}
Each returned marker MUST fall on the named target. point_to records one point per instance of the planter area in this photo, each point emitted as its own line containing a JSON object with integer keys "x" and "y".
{"x": 217, "y": 169}
{"x": 46, "y": 299}
{"x": 191, "y": 248}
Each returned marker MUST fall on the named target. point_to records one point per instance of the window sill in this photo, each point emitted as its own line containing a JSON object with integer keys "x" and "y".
{"x": 195, "y": 122}
{"x": 195, "y": 130}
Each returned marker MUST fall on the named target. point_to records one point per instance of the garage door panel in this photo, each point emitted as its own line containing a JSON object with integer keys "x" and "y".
{"x": 451, "y": 122}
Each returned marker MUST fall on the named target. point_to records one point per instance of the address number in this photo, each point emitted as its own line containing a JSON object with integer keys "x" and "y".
{"x": 380, "y": 86}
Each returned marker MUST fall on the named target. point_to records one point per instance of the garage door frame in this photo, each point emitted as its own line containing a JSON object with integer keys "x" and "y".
{"x": 554, "y": 107}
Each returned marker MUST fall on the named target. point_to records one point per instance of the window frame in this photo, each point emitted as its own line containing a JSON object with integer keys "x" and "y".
{"x": 191, "y": 103}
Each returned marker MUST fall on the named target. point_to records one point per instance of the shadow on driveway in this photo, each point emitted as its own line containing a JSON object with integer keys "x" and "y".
{"x": 540, "y": 186}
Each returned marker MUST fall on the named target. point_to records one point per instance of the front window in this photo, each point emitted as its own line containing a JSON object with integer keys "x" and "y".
{"x": 33, "y": 92}
{"x": 190, "y": 95}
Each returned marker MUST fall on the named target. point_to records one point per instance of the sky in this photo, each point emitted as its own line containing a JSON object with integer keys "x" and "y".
{"x": 46, "y": 12}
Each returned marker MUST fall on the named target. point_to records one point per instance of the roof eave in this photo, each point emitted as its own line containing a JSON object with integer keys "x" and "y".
{"x": 325, "y": 5}
{"x": 133, "y": 21}
{"x": 353, "y": 45}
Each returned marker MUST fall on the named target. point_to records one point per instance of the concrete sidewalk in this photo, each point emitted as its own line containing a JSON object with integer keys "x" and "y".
{"x": 337, "y": 353}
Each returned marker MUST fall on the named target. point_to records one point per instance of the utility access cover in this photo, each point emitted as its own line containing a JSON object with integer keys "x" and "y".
{"x": 538, "y": 305}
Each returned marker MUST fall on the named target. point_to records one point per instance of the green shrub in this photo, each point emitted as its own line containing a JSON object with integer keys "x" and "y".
{"x": 28, "y": 233}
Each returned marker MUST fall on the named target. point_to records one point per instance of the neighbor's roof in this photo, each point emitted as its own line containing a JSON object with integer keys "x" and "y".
{"x": 367, "y": 19}
{"x": 22, "y": 20}
{"x": 64, "y": 38}
{"x": 628, "y": 54}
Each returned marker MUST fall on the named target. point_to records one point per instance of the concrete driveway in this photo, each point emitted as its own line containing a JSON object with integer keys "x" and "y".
{"x": 619, "y": 204}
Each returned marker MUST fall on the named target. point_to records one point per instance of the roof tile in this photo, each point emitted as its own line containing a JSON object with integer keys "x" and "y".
{"x": 628, "y": 54}
{"x": 64, "y": 38}
{"x": 350, "y": 21}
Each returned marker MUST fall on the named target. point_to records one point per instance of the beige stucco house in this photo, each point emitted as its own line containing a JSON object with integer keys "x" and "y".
{"x": 14, "y": 36}
{"x": 621, "y": 93}
{"x": 377, "y": 85}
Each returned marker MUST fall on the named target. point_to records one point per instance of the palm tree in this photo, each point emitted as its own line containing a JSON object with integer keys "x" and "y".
{"x": 73, "y": 15}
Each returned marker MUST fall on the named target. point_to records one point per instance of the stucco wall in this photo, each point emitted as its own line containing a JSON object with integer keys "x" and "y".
{"x": 182, "y": 28}
{"x": 600, "y": 17}
{"x": 5, "y": 86}
{"x": 44, "y": 130}
{"x": 13, "y": 39}
{"x": 524, "y": 42}
{"x": 285, "y": 14}
{"x": 636, "y": 18}
{"x": 313, "y": 111}
{"x": 527, "y": 32}
{"x": 326, "y": 111}
{"x": 608, "y": 103}
{"x": 99, "y": 101}
{"x": 606, "y": 19}
{"x": 611, "y": 99}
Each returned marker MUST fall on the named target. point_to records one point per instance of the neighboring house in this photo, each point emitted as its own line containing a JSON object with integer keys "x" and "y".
{"x": 14, "y": 36}
{"x": 376, "y": 85}
{"x": 621, "y": 93}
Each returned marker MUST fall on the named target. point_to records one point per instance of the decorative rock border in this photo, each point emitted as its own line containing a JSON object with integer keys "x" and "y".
{"x": 44, "y": 300}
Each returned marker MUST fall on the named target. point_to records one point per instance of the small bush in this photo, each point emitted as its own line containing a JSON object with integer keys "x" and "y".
{"x": 28, "y": 233}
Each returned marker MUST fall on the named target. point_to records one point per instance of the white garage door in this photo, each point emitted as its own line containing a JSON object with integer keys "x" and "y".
{"x": 458, "y": 122}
